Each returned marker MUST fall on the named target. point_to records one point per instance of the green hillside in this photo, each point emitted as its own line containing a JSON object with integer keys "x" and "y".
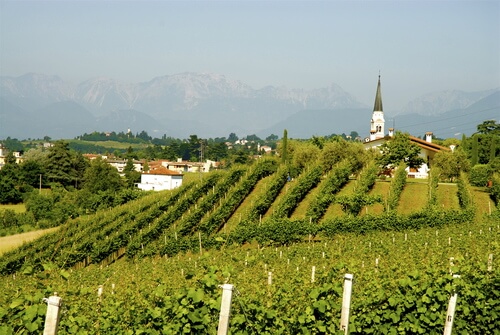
{"x": 249, "y": 221}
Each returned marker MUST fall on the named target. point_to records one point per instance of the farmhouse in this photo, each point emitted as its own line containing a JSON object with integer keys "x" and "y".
{"x": 378, "y": 137}
{"x": 159, "y": 179}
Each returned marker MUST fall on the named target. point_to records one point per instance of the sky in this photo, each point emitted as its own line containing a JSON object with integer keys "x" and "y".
{"x": 418, "y": 47}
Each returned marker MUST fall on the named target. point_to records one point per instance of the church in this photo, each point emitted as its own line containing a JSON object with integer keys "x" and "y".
{"x": 378, "y": 137}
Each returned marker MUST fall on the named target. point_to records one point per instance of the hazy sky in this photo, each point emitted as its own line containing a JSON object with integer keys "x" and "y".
{"x": 418, "y": 46}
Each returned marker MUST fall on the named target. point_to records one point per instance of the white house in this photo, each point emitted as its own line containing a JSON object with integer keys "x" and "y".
{"x": 160, "y": 179}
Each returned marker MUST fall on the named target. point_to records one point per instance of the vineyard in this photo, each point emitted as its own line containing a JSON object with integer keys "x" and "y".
{"x": 284, "y": 242}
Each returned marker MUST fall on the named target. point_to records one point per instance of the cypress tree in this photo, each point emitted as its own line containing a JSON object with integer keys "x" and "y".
{"x": 474, "y": 151}
{"x": 284, "y": 154}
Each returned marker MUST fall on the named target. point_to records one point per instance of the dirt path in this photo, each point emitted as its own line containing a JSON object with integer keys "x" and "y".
{"x": 10, "y": 242}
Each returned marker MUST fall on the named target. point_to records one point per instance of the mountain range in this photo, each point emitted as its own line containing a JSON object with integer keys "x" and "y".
{"x": 208, "y": 105}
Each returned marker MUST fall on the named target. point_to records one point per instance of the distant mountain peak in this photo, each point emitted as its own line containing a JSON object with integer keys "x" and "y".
{"x": 436, "y": 103}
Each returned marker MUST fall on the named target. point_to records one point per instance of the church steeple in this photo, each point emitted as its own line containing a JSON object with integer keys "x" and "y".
{"x": 378, "y": 98}
{"x": 377, "y": 122}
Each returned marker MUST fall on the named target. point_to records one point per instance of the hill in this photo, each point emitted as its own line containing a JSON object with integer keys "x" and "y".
{"x": 288, "y": 273}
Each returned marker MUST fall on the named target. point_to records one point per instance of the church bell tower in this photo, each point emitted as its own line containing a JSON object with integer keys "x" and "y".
{"x": 377, "y": 122}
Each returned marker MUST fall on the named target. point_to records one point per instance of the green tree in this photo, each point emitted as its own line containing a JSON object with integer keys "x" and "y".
{"x": 100, "y": 176}
{"x": 241, "y": 157}
{"x": 9, "y": 182}
{"x": 284, "y": 147}
{"x": 451, "y": 163}
{"x": 60, "y": 167}
{"x": 474, "y": 150}
{"x": 489, "y": 127}
{"x": 232, "y": 138}
{"x": 253, "y": 137}
{"x": 9, "y": 194}
{"x": 13, "y": 144}
{"x": 400, "y": 149}
{"x": 10, "y": 158}
{"x": 31, "y": 172}
{"x": 305, "y": 154}
{"x": 217, "y": 151}
{"x": 40, "y": 205}
{"x": 480, "y": 174}
{"x": 131, "y": 175}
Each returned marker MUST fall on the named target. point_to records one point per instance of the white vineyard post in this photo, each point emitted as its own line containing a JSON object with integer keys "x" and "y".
{"x": 199, "y": 238}
{"x": 313, "y": 272}
{"x": 100, "y": 289}
{"x": 490, "y": 262}
{"x": 450, "y": 314}
{"x": 346, "y": 303}
{"x": 53, "y": 312}
{"x": 225, "y": 309}
{"x": 269, "y": 278}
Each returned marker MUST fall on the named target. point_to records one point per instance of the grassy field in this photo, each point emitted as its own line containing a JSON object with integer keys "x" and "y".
{"x": 414, "y": 197}
{"x": 13, "y": 241}
{"x": 380, "y": 188}
{"x": 113, "y": 144}
{"x": 18, "y": 208}
{"x": 334, "y": 209}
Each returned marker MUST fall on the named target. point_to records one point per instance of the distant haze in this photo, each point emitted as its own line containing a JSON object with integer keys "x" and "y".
{"x": 419, "y": 47}
{"x": 211, "y": 105}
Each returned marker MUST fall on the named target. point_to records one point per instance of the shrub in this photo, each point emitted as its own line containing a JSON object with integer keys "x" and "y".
{"x": 479, "y": 175}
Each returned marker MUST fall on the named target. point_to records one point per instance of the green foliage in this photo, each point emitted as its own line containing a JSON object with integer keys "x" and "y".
{"x": 397, "y": 186}
{"x": 101, "y": 177}
{"x": 9, "y": 194}
{"x": 432, "y": 185}
{"x": 305, "y": 154}
{"x": 336, "y": 151}
{"x": 263, "y": 203}
{"x": 30, "y": 172}
{"x": 40, "y": 205}
{"x": 400, "y": 149}
{"x": 8, "y": 218}
{"x": 450, "y": 164}
{"x": 480, "y": 174}
{"x": 292, "y": 198}
{"x": 353, "y": 203}
{"x": 464, "y": 192}
{"x": 495, "y": 189}
{"x": 335, "y": 181}
{"x": 284, "y": 147}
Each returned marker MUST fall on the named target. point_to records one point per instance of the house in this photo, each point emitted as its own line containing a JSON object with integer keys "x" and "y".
{"x": 377, "y": 138}
{"x": 120, "y": 164}
{"x": 267, "y": 149}
{"x": 159, "y": 179}
{"x": 3, "y": 156}
{"x": 187, "y": 166}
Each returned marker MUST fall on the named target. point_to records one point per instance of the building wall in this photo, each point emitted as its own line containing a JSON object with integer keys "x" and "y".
{"x": 156, "y": 182}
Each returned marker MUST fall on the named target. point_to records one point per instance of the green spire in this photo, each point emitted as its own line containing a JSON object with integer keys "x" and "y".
{"x": 378, "y": 98}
